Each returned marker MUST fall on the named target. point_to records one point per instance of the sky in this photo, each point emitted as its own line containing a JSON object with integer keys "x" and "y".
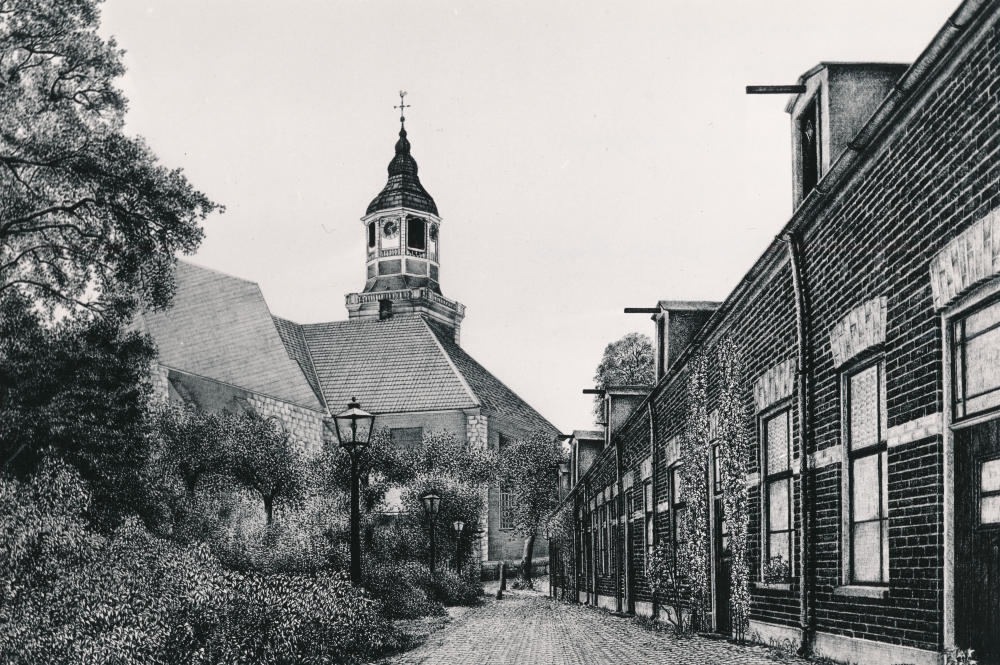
{"x": 584, "y": 156}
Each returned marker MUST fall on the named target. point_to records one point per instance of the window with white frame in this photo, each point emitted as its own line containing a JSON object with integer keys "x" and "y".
{"x": 975, "y": 359}
{"x": 678, "y": 507}
{"x": 866, "y": 476}
{"x": 777, "y": 497}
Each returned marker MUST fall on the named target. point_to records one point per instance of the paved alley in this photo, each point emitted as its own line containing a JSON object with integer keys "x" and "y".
{"x": 531, "y": 629}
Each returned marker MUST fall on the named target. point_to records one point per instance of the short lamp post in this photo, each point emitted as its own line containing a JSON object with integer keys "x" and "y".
{"x": 457, "y": 525}
{"x": 354, "y": 430}
{"x": 552, "y": 560}
{"x": 432, "y": 504}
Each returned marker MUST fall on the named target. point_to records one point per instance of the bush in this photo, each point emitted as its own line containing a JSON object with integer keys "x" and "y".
{"x": 69, "y": 596}
{"x": 451, "y": 589}
{"x": 402, "y": 590}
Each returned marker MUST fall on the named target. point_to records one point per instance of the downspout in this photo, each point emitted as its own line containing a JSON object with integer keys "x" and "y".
{"x": 794, "y": 245}
{"x": 652, "y": 487}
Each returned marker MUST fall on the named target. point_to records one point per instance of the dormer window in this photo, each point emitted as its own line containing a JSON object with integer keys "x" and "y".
{"x": 416, "y": 230}
{"x": 810, "y": 145}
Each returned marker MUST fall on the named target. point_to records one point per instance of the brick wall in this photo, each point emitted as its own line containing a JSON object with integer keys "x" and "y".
{"x": 867, "y": 260}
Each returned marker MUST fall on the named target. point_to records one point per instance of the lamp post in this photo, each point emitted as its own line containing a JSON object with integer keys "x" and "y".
{"x": 354, "y": 430}
{"x": 432, "y": 504}
{"x": 457, "y": 526}
{"x": 552, "y": 560}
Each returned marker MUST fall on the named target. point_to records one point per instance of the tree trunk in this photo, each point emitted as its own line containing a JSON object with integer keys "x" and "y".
{"x": 529, "y": 546}
{"x": 269, "y": 509}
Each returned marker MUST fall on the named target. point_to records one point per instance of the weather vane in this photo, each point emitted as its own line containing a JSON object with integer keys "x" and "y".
{"x": 402, "y": 94}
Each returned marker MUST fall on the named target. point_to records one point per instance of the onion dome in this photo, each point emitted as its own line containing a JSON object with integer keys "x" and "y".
{"x": 404, "y": 188}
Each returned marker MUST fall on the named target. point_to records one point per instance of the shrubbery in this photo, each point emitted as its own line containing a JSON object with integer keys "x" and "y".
{"x": 69, "y": 596}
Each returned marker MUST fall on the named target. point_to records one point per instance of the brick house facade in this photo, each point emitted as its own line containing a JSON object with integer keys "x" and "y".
{"x": 870, "y": 382}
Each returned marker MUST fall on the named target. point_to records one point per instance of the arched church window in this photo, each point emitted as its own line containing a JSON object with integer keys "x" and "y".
{"x": 416, "y": 229}
{"x": 371, "y": 235}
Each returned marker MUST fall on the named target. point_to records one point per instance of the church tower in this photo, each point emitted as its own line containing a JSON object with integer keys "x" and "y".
{"x": 403, "y": 240}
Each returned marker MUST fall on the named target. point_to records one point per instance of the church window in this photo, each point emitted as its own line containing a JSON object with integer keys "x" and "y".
{"x": 406, "y": 438}
{"x": 506, "y": 509}
{"x": 371, "y": 235}
{"x": 415, "y": 233}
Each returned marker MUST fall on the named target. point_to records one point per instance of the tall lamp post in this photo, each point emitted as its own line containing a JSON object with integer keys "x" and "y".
{"x": 354, "y": 430}
{"x": 457, "y": 526}
{"x": 432, "y": 504}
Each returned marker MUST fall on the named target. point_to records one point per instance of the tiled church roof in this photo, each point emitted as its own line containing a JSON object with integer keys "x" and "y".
{"x": 295, "y": 343}
{"x": 494, "y": 395}
{"x": 219, "y": 328}
{"x": 391, "y": 366}
{"x": 403, "y": 188}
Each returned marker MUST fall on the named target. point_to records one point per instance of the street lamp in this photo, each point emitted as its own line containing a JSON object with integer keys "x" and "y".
{"x": 457, "y": 526}
{"x": 432, "y": 504}
{"x": 354, "y": 430}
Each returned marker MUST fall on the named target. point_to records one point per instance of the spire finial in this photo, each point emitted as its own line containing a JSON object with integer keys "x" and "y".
{"x": 402, "y": 106}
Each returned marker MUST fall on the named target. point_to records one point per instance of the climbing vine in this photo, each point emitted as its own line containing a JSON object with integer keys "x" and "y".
{"x": 693, "y": 553}
{"x": 734, "y": 435}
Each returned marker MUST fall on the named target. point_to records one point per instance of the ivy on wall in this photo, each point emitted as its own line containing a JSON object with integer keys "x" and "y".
{"x": 694, "y": 550}
{"x": 734, "y": 435}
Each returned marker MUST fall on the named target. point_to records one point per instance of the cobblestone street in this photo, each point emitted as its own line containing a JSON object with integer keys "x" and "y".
{"x": 530, "y": 629}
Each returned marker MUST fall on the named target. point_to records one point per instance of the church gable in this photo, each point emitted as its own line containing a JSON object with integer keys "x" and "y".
{"x": 219, "y": 327}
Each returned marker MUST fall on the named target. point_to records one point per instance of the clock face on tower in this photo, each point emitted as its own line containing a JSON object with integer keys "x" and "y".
{"x": 390, "y": 229}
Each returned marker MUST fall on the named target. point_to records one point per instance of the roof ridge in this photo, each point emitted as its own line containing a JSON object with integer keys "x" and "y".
{"x": 312, "y": 363}
{"x": 219, "y": 272}
{"x": 451, "y": 363}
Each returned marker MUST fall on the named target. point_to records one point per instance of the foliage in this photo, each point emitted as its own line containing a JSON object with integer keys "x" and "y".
{"x": 960, "y": 657}
{"x": 629, "y": 361}
{"x": 89, "y": 221}
{"x": 193, "y": 443}
{"x": 409, "y": 590}
{"x": 528, "y": 471}
{"x": 561, "y": 535}
{"x": 693, "y": 554}
{"x": 262, "y": 458}
{"x": 666, "y": 583}
{"x": 80, "y": 388}
{"x": 71, "y": 596}
{"x": 735, "y": 438}
{"x": 776, "y": 570}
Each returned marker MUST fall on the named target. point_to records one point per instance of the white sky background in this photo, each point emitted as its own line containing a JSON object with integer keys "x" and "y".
{"x": 584, "y": 156}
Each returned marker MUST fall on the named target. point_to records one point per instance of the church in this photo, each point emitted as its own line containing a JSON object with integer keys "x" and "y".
{"x": 399, "y": 352}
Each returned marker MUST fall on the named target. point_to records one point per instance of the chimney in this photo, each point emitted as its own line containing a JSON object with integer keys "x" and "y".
{"x": 839, "y": 99}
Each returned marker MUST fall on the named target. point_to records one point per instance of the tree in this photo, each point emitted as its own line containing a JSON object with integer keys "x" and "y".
{"x": 193, "y": 444}
{"x": 89, "y": 221}
{"x": 528, "y": 470}
{"x": 80, "y": 389}
{"x": 262, "y": 459}
{"x": 629, "y": 361}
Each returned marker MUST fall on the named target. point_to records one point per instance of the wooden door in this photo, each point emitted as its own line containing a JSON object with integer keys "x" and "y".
{"x": 723, "y": 570}
{"x": 977, "y": 540}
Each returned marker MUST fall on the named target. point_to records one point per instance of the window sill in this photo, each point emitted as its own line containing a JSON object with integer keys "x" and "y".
{"x": 777, "y": 586}
{"x": 857, "y": 591}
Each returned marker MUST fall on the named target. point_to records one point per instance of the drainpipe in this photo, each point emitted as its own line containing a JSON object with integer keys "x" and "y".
{"x": 794, "y": 245}
{"x": 652, "y": 483}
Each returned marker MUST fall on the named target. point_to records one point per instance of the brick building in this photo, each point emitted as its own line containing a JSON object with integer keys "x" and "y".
{"x": 398, "y": 354}
{"x": 867, "y": 386}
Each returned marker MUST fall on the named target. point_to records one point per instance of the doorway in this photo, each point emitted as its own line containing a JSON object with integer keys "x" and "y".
{"x": 722, "y": 553}
{"x": 977, "y": 540}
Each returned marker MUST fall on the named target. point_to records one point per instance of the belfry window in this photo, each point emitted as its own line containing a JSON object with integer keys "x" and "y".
{"x": 416, "y": 230}
{"x": 371, "y": 235}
